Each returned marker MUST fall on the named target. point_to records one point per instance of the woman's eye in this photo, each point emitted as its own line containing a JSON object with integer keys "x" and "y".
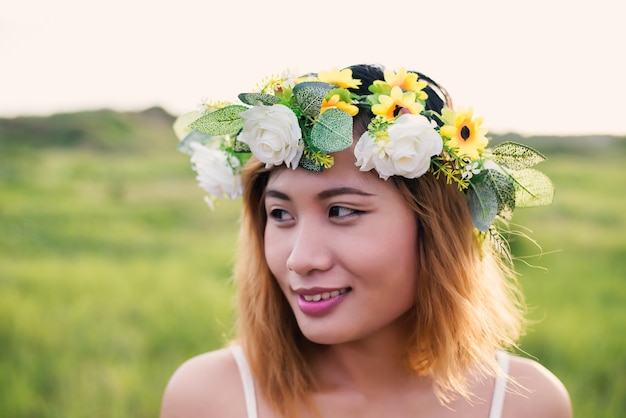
{"x": 341, "y": 212}
{"x": 280, "y": 215}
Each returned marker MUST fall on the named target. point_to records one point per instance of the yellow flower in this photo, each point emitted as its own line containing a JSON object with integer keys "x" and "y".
{"x": 464, "y": 132}
{"x": 397, "y": 98}
{"x": 341, "y": 78}
{"x": 405, "y": 80}
{"x": 385, "y": 107}
{"x": 320, "y": 159}
{"x": 335, "y": 101}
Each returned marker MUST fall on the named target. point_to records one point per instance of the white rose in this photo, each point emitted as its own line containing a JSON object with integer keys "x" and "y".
{"x": 216, "y": 172}
{"x": 273, "y": 135}
{"x": 412, "y": 142}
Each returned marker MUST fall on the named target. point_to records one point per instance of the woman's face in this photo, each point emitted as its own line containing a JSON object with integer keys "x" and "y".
{"x": 342, "y": 245}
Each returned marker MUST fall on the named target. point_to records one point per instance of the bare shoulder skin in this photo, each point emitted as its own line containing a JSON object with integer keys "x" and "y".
{"x": 208, "y": 385}
{"x": 539, "y": 394}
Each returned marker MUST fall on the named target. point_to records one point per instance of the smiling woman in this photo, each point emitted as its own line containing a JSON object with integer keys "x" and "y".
{"x": 319, "y": 241}
{"x": 372, "y": 277}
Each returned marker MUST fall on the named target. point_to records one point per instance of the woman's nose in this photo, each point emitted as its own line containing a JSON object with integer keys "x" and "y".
{"x": 311, "y": 250}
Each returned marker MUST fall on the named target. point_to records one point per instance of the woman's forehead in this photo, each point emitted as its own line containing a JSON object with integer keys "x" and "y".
{"x": 344, "y": 173}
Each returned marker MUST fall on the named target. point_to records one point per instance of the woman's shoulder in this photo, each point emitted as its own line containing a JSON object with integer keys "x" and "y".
{"x": 206, "y": 385}
{"x": 536, "y": 392}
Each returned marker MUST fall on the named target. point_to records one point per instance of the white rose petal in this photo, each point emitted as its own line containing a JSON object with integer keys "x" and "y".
{"x": 413, "y": 140}
{"x": 215, "y": 171}
{"x": 364, "y": 151}
{"x": 273, "y": 135}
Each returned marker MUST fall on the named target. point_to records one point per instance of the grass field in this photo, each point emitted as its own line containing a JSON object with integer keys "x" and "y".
{"x": 113, "y": 271}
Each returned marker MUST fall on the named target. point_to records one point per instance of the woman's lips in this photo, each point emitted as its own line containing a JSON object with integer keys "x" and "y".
{"x": 319, "y": 301}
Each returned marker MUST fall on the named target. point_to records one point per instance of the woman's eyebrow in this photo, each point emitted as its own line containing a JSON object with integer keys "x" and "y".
{"x": 276, "y": 194}
{"x": 326, "y": 194}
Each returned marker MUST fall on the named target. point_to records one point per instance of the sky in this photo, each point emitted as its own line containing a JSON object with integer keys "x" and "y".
{"x": 530, "y": 67}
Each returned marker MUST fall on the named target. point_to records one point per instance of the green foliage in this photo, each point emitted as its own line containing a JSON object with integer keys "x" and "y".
{"x": 516, "y": 156}
{"x": 504, "y": 189}
{"x": 113, "y": 271}
{"x": 256, "y": 99}
{"x": 223, "y": 121}
{"x": 483, "y": 204}
{"x": 332, "y": 131}
{"x": 492, "y": 195}
{"x": 184, "y": 146}
{"x": 533, "y": 188}
{"x": 309, "y": 95}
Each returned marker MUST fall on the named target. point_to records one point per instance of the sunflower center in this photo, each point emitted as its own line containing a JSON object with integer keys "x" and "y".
{"x": 465, "y": 133}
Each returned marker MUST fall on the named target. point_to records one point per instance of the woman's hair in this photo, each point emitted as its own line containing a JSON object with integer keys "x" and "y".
{"x": 467, "y": 305}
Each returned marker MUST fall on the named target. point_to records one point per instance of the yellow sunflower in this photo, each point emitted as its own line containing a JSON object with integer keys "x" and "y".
{"x": 339, "y": 78}
{"x": 405, "y": 80}
{"x": 464, "y": 132}
{"x": 335, "y": 101}
{"x": 397, "y": 98}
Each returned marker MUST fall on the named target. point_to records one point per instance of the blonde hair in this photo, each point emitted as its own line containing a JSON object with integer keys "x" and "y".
{"x": 468, "y": 305}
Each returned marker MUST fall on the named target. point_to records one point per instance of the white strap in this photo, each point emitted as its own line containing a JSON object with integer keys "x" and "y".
{"x": 246, "y": 379}
{"x": 499, "y": 388}
{"x": 497, "y": 401}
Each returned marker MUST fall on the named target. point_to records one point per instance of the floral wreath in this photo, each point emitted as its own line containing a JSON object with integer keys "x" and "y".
{"x": 300, "y": 121}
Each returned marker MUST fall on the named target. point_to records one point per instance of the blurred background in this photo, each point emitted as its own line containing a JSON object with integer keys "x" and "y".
{"x": 113, "y": 271}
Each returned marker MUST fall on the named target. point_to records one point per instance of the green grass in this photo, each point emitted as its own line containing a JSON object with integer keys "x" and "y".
{"x": 579, "y": 301}
{"x": 113, "y": 272}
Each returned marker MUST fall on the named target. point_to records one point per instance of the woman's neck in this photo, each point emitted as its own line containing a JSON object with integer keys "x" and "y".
{"x": 369, "y": 366}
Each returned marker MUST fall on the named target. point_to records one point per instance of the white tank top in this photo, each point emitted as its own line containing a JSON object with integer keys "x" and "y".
{"x": 497, "y": 400}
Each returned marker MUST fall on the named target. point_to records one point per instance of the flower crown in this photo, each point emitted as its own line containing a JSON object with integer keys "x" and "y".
{"x": 302, "y": 120}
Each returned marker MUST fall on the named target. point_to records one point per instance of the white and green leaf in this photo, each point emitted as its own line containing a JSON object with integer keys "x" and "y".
{"x": 309, "y": 96}
{"x": 483, "y": 205}
{"x": 332, "y": 131}
{"x": 224, "y": 121}
{"x": 256, "y": 99}
{"x": 516, "y": 156}
{"x": 209, "y": 141}
{"x": 533, "y": 188}
{"x": 503, "y": 187}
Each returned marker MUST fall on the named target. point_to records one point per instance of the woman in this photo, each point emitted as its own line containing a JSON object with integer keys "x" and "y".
{"x": 371, "y": 280}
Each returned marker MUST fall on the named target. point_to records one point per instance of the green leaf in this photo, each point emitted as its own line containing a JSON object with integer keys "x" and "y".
{"x": 503, "y": 187}
{"x": 255, "y": 99}
{"x": 309, "y": 96}
{"x": 239, "y": 146}
{"x": 224, "y": 121}
{"x": 243, "y": 157}
{"x": 332, "y": 131}
{"x": 483, "y": 205}
{"x": 310, "y": 164}
{"x": 534, "y": 188}
{"x": 380, "y": 88}
{"x": 344, "y": 94}
{"x": 516, "y": 156}
{"x": 199, "y": 137}
{"x": 193, "y": 137}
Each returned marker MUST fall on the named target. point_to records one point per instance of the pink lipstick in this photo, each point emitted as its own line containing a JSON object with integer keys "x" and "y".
{"x": 320, "y": 301}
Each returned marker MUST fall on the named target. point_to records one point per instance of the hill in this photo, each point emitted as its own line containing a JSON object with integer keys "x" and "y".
{"x": 104, "y": 130}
